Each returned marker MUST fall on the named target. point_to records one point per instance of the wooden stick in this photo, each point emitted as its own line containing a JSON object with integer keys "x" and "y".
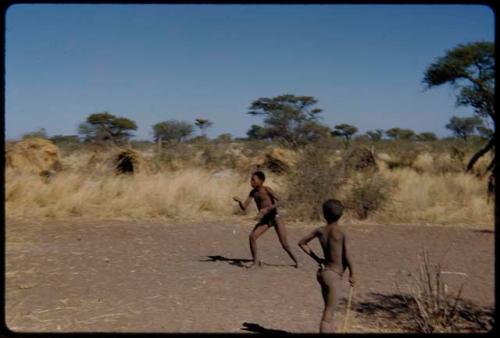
{"x": 348, "y": 309}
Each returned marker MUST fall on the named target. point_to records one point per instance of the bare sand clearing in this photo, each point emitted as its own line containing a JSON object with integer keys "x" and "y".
{"x": 81, "y": 275}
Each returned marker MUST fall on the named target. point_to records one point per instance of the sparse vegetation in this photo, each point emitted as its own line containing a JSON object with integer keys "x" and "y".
{"x": 433, "y": 306}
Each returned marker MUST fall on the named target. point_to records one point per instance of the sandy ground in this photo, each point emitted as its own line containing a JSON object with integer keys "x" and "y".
{"x": 83, "y": 275}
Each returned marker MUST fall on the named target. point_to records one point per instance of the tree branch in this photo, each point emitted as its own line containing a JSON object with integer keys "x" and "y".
{"x": 479, "y": 154}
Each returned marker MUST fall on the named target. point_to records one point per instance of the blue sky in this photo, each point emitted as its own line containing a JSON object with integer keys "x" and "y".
{"x": 151, "y": 63}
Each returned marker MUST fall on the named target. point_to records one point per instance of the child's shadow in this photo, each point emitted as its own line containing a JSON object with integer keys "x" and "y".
{"x": 232, "y": 261}
{"x": 252, "y": 327}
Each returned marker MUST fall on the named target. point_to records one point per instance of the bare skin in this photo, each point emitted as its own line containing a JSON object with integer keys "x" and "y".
{"x": 266, "y": 202}
{"x": 334, "y": 242}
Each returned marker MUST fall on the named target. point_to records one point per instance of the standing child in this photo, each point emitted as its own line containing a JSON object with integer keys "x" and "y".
{"x": 267, "y": 202}
{"x": 336, "y": 249}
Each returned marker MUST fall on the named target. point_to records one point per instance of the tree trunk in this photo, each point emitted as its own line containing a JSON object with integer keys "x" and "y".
{"x": 480, "y": 153}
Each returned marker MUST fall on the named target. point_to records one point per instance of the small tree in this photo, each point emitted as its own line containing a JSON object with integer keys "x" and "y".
{"x": 286, "y": 117}
{"x": 172, "y": 130}
{"x": 105, "y": 126}
{"x": 485, "y": 132}
{"x": 375, "y": 135}
{"x": 400, "y": 134}
{"x": 41, "y": 133}
{"x": 346, "y": 131}
{"x": 426, "y": 136}
{"x": 258, "y": 133}
{"x": 464, "y": 127}
{"x": 203, "y": 124}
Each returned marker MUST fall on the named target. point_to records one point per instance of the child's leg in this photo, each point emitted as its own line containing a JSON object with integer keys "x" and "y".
{"x": 324, "y": 288}
{"x": 257, "y": 231}
{"x": 280, "y": 230}
{"x": 331, "y": 281}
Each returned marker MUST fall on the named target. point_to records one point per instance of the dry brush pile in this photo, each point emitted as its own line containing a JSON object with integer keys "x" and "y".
{"x": 185, "y": 180}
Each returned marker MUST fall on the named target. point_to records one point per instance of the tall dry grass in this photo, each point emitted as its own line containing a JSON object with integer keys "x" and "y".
{"x": 425, "y": 195}
{"x": 182, "y": 195}
{"x": 449, "y": 199}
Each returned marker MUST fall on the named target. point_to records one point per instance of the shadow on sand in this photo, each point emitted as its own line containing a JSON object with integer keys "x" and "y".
{"x": 232, "y": 261}
{"x": 252, "y": 327}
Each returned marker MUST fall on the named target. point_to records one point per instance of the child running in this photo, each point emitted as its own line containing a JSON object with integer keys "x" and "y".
{"x": 267, "y": 202}
{"x": 335, "y": 245}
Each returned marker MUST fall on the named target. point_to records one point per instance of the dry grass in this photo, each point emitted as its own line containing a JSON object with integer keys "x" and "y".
{"x": 181, "y": 194}
{"x": 187, "y": 188}
{"x": 433, "y": 307}
{"x": 453, "y": 199}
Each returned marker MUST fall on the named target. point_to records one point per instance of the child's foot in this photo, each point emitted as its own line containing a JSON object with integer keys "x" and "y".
{"x": 255, "y": 265}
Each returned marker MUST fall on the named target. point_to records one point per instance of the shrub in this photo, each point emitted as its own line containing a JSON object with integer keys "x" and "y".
{"x": 314, "y": 180}
{"x": 367, "y": 193}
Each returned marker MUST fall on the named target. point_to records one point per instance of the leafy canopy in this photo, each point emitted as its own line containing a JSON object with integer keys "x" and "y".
{"x": 289, "y": 118}
{"x": 464, "y": 127}
{"x": 470, "y": 68}
{"x": 172, "y": 130}
{"x": 106, "y": 126}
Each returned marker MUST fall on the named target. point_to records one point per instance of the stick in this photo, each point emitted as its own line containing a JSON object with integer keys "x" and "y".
{"x": 348, "y": 309}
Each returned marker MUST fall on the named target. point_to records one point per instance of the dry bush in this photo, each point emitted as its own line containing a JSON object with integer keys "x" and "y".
{"x": 360, "y": 158}
{"x": 218, "y": 156}
{"x": 313, "y": 180}
{"x": 174, "y": 156}
{"x": 432, "y": 306}
{"x": 367, "y": 193}
{"x": 275, "y": 159}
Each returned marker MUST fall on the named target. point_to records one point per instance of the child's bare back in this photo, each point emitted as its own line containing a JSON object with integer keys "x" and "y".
{"x": 332, "y": 243}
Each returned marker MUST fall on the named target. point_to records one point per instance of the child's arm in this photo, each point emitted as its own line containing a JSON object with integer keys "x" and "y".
{"x": 244, "y": 205}
{"x": 303, "y": 245}
{"x": 348, "y": 260}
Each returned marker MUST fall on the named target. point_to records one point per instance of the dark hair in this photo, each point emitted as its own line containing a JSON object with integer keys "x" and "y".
{"x": 260, "y": 175}
{"x": 332, "y": 210}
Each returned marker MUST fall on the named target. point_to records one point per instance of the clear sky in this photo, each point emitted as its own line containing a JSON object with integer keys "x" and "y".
{"x": 151, "y": 63}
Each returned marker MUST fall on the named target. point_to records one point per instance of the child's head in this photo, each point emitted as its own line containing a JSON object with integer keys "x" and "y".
{"x": 332, "y": 210}
{"x": 257, "y": 179}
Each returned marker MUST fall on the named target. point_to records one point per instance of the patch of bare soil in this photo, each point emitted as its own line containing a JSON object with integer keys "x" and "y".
{"x": 118, "y": 276}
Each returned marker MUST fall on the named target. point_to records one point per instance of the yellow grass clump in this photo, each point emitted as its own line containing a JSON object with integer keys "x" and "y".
{"x": 32, "y": 156}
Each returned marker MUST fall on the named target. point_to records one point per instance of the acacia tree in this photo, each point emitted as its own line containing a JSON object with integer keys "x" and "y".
{"x": 203, "y": 125}
{"x": 172, "y": 130}
{"x": 375, "y": 135}
{"x": 470, "y": 69}
{"x": 464, "y": 127}
{"x": 426, "y": 136}
{"x": 400, "y": 134}
{"x": 289, "y": 118}
{"x": 105, "y": 126}
{"x": 346, "y": 131}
